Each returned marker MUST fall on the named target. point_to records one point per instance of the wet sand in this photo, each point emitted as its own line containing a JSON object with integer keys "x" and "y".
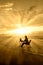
{"x": 11, "y": 52}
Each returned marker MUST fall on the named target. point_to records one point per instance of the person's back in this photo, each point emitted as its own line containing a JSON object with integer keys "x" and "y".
{"x": 26, "y": 39}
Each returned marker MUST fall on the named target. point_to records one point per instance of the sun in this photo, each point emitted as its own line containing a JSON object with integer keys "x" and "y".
{"x": 24, "y": 30}
{"x": 20, "y": 31}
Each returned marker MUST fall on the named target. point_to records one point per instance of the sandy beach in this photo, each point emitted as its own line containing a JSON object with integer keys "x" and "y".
{"x": 11, "y": 52}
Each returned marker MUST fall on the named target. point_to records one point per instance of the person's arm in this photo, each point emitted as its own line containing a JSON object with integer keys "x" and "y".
{"x": 21, "y": 40}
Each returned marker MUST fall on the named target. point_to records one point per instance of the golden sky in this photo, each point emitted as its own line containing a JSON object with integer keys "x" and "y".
{"x": 24, "y": 12}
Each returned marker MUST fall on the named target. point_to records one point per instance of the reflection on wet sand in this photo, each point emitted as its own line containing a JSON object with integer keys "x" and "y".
{"x": 11, "y": 52}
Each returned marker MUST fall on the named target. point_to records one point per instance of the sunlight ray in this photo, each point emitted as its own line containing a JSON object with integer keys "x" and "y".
{"x": 31, "y": 20}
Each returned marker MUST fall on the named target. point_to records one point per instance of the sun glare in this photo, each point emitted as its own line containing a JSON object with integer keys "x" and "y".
{"x": 24, "y": 30}
{"x": 20, "y": 31}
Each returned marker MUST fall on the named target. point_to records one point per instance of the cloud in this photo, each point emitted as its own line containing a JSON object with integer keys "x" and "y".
{"x": 6, "y": 7}
{"x": 31, "y": 8}
{"x": 37, "y": 20}
{"x": 30, "y": 13}
{"x": 12, "y": 16}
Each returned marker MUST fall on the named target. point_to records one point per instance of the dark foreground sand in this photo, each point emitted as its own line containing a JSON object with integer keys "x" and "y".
{"x": 12, "y": 54}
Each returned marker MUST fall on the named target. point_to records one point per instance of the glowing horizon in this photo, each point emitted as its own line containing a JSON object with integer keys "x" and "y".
{"x": 24, "y": 30}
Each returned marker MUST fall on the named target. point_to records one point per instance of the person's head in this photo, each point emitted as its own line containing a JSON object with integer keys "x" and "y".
{"x": 25, "y": 37}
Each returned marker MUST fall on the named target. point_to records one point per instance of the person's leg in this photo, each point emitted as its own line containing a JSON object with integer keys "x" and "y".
{"x": 29, "y": 42}
{"x": 22, "y": 44}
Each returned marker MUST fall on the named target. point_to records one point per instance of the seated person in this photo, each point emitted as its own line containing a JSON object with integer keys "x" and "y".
{"x": 25, "y": 41}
